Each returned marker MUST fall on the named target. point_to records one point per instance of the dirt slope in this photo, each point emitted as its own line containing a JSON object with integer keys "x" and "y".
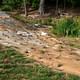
{"x": 39, "y": 45}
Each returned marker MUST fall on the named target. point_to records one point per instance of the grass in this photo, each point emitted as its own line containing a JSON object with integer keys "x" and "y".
{"x": 63, "y": 27}
{"x": 72, "y": 42}
{"x": 14, "y": 66}
{"x": 67, "y": 27}
{"x": 41, "y": 21}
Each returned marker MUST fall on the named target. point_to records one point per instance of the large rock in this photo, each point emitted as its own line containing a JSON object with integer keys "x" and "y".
{"x": 3, "y": 15}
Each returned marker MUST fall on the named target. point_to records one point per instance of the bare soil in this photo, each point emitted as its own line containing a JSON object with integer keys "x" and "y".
{"x": 56, "y": 53}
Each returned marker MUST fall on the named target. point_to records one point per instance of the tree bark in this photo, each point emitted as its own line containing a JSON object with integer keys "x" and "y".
{"x": 25, "y": 8}
{"x": 57, "y": 5}
{"x": 41, "y": 7}
{"x": 64, "y": 4}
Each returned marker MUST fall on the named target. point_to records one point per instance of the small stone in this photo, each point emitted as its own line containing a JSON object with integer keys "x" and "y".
{"x": 43, "y": 34}
{"x": 60, "y": 65}
{"x": 26, "y": 52}
{"x": 36, "y": 25}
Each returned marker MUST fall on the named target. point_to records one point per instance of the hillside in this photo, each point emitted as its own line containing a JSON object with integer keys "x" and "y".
{"x": 61, "y": 54}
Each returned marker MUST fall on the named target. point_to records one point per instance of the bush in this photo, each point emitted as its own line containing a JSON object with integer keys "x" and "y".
{"x": 67, "y": 27}
{"x": 47, "y": 21}
{"x": 6, "y": 8}
{"x": 35, "y": 4}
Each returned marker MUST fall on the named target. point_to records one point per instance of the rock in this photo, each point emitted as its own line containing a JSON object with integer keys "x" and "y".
{"x": 25, "y": 34}
{"x": 59, "y": 65}
{"x": 3, "y": 15}
{"x": 33, "y": 16}
{"x": 6, "y": 44}
{"x": 50, "y": 26}
{"x": 43, "y": 34}
{"x": 77, "y": 52}
{"x": 36, "y": 25}
{"x": 21, "y": 33}
{"x": 26, "y": 51}
{"x": 56, "y": 47}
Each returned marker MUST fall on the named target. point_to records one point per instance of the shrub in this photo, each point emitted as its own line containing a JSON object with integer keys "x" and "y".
{"x": 6, "y": 8}
{"x": 67, "y": 27}
{"x": 35, "y": 4}
{"x": 47, "y": 21}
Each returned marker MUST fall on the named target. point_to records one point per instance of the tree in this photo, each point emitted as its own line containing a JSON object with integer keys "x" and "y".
{"x": 26, "y": 4}
{"x": 64, "y": 4}
{"x": 41, "y": 7}
{"x": 35, "y": 4}
{"x": 25, "y": 9}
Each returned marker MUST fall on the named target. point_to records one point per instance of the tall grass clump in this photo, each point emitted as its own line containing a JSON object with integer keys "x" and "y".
{"x": 67, "y": 27}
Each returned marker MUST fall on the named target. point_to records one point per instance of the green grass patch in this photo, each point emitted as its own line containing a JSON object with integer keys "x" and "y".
{"x": 43, "y": 21}
{"x": 67, "y": 27}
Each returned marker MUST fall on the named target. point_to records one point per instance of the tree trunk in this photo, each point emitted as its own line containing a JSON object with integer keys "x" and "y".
{"x": 56, "y": 5}
{"x": 25, "y": 8}
{"x": 64, "y": 4}
{"x": 41, "y": 7}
